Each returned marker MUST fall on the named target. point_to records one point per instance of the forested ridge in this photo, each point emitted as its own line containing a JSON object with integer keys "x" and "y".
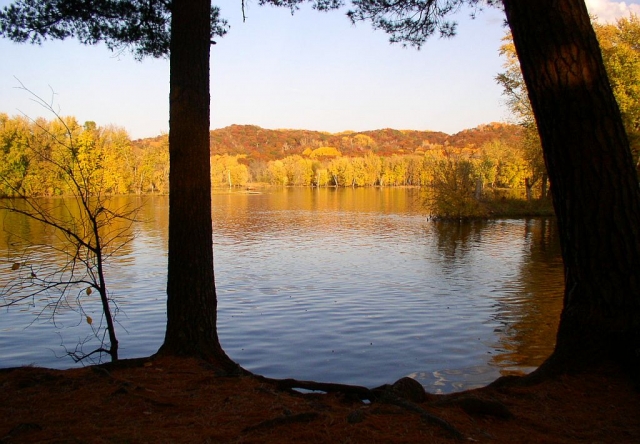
{"x": 267, "y": 144}
{"x": 258, "y": 143}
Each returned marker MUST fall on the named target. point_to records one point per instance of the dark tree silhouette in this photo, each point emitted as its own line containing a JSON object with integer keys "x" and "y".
{"x": 184, "y": 29}
{"x": 594, "y": 183}
{"x": 191, "y": 304}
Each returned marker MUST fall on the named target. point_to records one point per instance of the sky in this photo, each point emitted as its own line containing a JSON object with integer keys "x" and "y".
{"x": 311, "y": 70}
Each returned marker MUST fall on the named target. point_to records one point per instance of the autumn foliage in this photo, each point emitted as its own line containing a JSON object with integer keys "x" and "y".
{"x": 107, "y": 152}
{"x": 464, "y": 165}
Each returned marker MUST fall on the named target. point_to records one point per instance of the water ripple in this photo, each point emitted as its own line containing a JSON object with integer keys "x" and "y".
{"x": 332, "y": 288}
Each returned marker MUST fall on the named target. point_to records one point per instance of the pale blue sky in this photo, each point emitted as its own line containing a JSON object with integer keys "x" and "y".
{"x": 311, "y": 71}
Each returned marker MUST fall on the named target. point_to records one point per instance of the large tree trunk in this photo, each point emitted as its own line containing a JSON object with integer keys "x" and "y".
{"x": 594, "y": 185}
{"x": 191, "y": 303}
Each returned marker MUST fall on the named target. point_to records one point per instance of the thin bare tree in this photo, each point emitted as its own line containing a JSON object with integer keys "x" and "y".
{"x": 89, "y": 230}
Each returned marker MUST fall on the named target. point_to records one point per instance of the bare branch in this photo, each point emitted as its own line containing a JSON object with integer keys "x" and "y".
{"x": 89, "y": 232}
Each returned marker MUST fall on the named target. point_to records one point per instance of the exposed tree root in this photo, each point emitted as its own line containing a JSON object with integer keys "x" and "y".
{"x": 427, "y": 417}
{"x": 403, "y": 393}
{"x": 384, "y": 394}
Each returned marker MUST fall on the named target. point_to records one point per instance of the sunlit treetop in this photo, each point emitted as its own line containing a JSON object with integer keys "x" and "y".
{"x": 142, "y": 27}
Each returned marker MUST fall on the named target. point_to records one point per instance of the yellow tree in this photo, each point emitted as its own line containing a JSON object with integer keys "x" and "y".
{"x": 321, "y": 175}
{"x": 15, "y": 161}
{"x": 118, "y": 160}
{"x": 359, "y": 171}
{"x": 505, "y": 166}
{"x": 373, "y": 168}
{"x": 277, "y": 173}
{"x": 151, "y": 167}
{"x": 227, "y": 171}
{"x": 341, "y": 169}
{"x": 620, "y": 45}
{"x": 299, "y": 170}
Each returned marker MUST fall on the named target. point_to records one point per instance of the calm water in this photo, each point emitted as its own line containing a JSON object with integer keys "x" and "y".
{"x": 353, "y": 286}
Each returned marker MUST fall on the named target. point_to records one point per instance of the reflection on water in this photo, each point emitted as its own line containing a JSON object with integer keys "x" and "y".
{"x": 526, "y": 326}
{"x": 349, "y": 285}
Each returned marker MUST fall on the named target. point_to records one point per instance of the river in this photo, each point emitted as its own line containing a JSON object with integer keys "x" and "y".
{"x": 340, "y": 285}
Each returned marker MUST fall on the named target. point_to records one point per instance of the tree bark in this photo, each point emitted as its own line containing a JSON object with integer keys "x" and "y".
{"x": 594, "y": 184}
{"x": 191, "y": 294}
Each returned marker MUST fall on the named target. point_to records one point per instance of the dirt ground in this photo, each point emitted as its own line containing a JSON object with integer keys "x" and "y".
{"x": 165, "y": 400}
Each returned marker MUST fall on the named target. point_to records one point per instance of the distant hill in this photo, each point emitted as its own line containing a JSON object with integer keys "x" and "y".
{"x": 267, "y": 144}
{"x": 478, "y": 136}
